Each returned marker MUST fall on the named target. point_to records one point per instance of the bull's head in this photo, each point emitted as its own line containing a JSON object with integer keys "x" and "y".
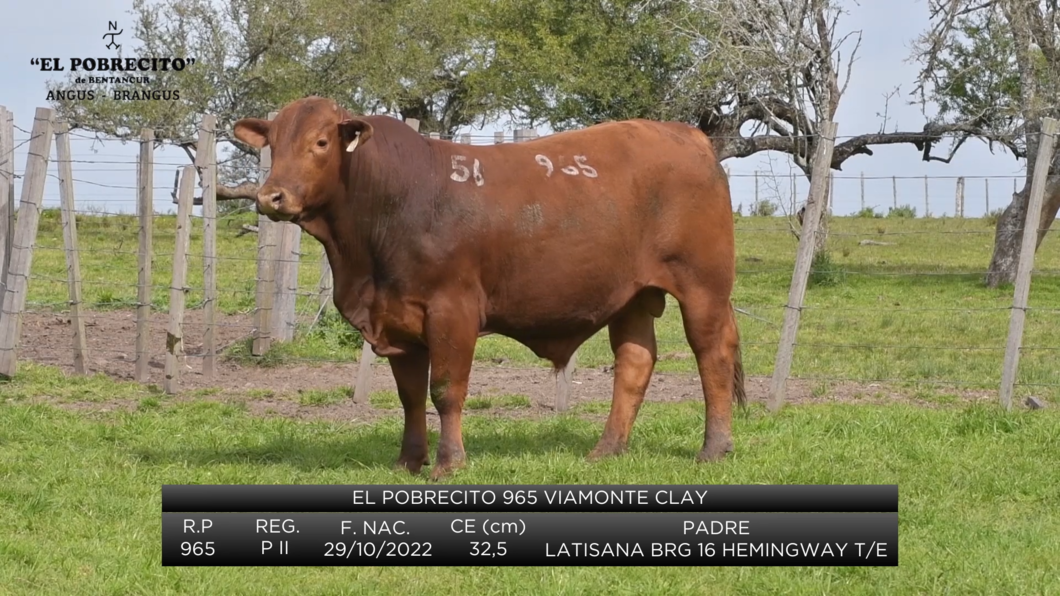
{"x": 310, "y": 139}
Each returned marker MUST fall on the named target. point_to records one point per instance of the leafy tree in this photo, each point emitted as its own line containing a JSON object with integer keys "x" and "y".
{"x": 404, "y": 57}
{"x": 573, "y": 64}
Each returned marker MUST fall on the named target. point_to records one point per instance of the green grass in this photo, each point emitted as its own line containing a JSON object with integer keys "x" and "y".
{"x": 384, "y": 400}
{"x": 33, "y": 381}
{"x": 324, "y": 397}
{"x": 498, "y": 401}
{"x": 979, "y": 510}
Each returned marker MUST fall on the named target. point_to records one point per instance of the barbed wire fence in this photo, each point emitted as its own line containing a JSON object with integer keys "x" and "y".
{"x": 243, "y": 302}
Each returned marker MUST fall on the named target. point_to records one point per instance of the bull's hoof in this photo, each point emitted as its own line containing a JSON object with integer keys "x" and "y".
{"x": 605, "y": 450}
{"x": 445, "y": 467}
{"x": 412, "y": 465}
{"x": 715, "y": 451}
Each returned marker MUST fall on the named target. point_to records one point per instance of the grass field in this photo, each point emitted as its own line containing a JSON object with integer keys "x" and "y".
{"x": 979, "y": 500}
{"x": 80, "y": 503}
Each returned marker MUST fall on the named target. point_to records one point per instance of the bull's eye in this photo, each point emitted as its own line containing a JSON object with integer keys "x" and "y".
{"x": 322, "y": 143}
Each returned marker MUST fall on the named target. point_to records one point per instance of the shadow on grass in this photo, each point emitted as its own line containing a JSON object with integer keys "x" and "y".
{"x": 378, "y": 446}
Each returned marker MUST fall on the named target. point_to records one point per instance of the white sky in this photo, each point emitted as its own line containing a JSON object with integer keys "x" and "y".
{"x": 75, "y": 29}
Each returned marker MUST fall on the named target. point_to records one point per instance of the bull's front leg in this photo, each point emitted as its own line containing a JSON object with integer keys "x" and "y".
{"x": 410, "y": 374}
{"x": 452, "y": 334}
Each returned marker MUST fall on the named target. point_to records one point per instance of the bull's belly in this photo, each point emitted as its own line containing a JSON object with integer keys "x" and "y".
{"x": 559, "y": 314}
{"x": 556, "y": 341}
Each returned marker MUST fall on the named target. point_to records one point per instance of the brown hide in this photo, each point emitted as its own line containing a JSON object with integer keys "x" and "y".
{"x": 434, "y": 244}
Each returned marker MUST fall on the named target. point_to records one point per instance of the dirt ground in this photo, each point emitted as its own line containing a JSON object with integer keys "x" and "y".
{"x": 111, "y": 336}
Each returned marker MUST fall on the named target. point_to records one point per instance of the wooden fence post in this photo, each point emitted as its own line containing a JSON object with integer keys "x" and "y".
{"x": 413, "y": 123}
{"x": 564, "y": 383}
{"x": 7, "y": 194}
{"x": 822, "y": 159}
{"x": 498, "y": 137}
{"x": 266, "y": 277}
{"x": 465, "y": 139}
{"x": 14, "y": 299}
{"x": 145, "y": 208}
{"x": 894, "y": 191}
{"x": 206, "y": 162}
{"x": 73, "y": 255}
{"x": 986, "y": 187}
{"x": 436, "y": 136}
{"x": 1026, "y": 262}
{"x": 828, "y": 203}
{"x": 326, "y": 282}
{"x": 175, "y": 333}
{"x": 863, "y": 191}
{"x": 927, "y": 212}
{"x": 958, "y": 198}
{"x": 288, "y": 259}
{"x": 756, "y": 187}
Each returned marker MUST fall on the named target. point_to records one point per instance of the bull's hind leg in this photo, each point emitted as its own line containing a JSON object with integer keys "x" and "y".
{"x": 711, "y": 331}
{"x": 410, "y": 374}
{"x": 632, "y": 336}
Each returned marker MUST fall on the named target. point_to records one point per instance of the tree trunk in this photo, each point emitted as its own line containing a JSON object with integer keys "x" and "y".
{"x": 1007, "y": 238}
{"x": 821, "y": 239}
{"x": 1009, "y": 233}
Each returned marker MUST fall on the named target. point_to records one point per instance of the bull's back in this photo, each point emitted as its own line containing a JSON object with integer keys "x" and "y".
{"x": 572, "y": 225}
{"x": 568, "y": 184}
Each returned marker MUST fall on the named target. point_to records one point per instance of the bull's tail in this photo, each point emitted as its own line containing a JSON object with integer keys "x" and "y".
{"x": 739, "y": 391}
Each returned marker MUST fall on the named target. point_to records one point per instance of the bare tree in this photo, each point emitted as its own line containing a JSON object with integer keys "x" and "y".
{"x": 768, "y": 74}
{"x": 783, "y": 67}
{"x": 775, "y": 64}
{"x": 996, "y": 63}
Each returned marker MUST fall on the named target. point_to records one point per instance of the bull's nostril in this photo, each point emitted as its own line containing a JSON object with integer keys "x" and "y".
{"x": 276, "y": 199}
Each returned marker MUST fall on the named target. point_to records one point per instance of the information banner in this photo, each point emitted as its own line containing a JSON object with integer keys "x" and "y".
{"x": 544, "y": 498}
{"x": 529, "y": 539}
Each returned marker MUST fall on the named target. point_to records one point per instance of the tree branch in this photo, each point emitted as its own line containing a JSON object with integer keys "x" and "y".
{"x": 924, "y": 141}
{"x": 247, "y": 190}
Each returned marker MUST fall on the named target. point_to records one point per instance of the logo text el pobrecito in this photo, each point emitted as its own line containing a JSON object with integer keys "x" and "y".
{"x": 114, "y": 70}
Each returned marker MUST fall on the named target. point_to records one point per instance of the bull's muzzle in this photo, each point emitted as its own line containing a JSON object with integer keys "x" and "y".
{"x": 271, "y": 201}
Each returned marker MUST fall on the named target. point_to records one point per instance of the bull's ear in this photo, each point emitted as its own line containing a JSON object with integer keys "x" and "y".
{"x": 353, "y": 132}
{"x": 253, "y": 132}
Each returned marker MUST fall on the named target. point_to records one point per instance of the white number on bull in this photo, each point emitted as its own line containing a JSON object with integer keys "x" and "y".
{"x": 585, "y": 168}
{"x": 461, "y": 173}
{"x": 581, "y": 167}
{"x": 541, "y": 159}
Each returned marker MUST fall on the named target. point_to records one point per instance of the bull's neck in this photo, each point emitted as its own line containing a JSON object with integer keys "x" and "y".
{"x": 348, "y": 248}
{"x": 360, "y": 216}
